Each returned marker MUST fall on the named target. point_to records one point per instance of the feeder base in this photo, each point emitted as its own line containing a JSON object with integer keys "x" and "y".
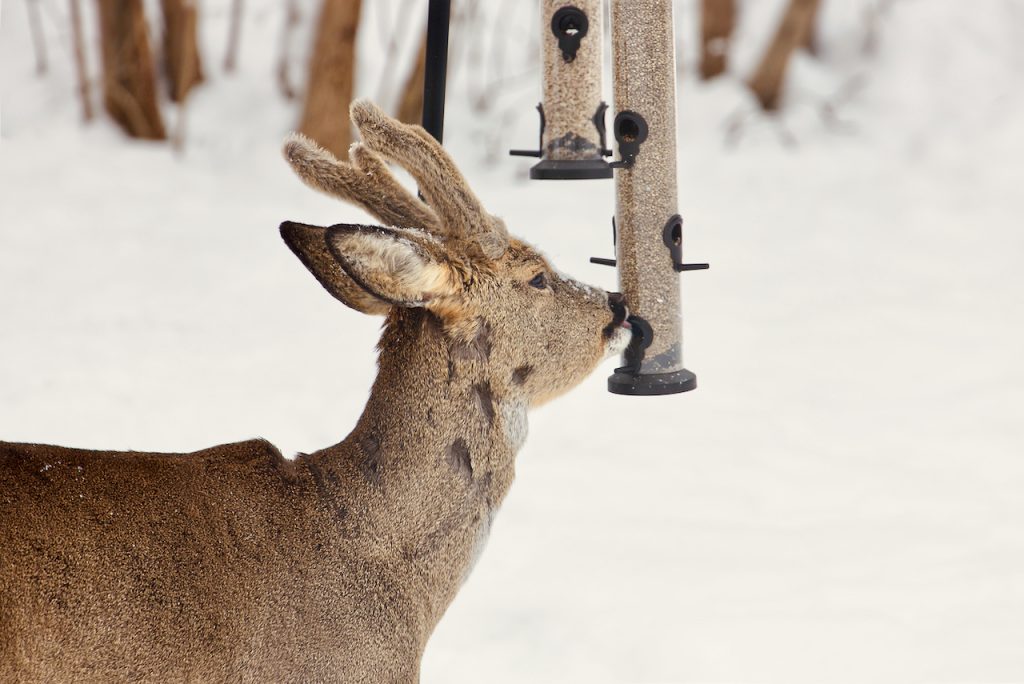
{"x": 570, "y": 169}
{"x": 655, "y": 384}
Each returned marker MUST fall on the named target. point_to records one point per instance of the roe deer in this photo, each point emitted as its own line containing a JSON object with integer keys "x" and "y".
{"x": 236, "y": 564}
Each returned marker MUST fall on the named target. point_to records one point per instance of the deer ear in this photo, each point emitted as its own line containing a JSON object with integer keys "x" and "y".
{"x": 310, "y": 244}
{"x": 404, "y": 267}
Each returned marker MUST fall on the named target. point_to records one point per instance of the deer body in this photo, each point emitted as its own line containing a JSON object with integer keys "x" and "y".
{"x": 237, "y": 564}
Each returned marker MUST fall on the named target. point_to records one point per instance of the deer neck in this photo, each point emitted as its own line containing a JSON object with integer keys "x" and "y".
{"x": 435, "y": 450}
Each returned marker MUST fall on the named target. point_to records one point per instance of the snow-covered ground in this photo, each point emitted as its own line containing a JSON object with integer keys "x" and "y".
{"x": 840, "y": 500}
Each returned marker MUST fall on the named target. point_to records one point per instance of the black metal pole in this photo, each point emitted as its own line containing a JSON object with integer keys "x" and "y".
{"x": 438, "y": 13}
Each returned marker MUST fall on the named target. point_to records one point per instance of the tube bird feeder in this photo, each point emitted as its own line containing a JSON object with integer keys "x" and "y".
{"x": 572, "y": 114}
{"x": 649, "y": 230}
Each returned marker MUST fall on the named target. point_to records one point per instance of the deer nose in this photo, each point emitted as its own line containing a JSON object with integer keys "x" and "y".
{"x": 620, "y": 314}
{"x": 617, "y": 303}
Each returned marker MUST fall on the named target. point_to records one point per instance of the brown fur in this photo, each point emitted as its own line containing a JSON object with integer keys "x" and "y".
{"x": 366, "y": 182}
{"x": 236, "y": 564}
{"x": 440, "y": 181}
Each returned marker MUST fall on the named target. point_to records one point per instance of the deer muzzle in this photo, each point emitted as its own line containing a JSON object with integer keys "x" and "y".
{"x": 620, "y": 313}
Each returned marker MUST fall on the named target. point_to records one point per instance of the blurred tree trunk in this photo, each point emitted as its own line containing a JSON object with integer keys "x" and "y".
{"x": 292, "y": 17}
{"x": 35, "y": 26}
{"x": 234, "y": 36}
{"x": 410, "y": 109}
{"x": 331, "y": 74}
{"x": 181, "y": 49}
{"x": 811, "y": 41}
{"x": 78, "y": 50}
{"x": 717, "y": 20}
{"x": 129, "y": 78}
{"x": 791, "y": 34}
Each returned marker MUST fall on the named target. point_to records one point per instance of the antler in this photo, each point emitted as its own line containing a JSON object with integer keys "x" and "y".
{"x": 365, "y": 181}
{"x": 441, "y": 183}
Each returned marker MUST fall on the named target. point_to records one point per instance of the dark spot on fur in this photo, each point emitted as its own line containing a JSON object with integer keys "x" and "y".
{"x": 483, "y": 339}
{"x": 285, "y": 469}
{"x": 370, "y": 468}
{"x": 478, "y": 349}
{"x": 519, "y": 375}
{"x": 432, "y": 324}
{"x": 430, "y": 418}
{"x": 370, "y": 464}
{"x": 326, "y": 496}
{"x": 459, "y": 459}
{"x": 318, "y": 477}
{"x": 485, "y": 400}
{"x": 451, "y": 370}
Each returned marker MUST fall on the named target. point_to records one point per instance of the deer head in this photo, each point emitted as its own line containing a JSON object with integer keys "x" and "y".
{"x": 498, "y": 301}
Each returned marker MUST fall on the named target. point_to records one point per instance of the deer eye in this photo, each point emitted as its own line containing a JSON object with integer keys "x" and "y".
{"x": 539, "y": 281}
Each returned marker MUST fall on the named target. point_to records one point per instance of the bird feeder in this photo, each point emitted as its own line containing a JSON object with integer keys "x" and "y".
{"x": 572, "y": 114}
{"x": 648, "y": 228}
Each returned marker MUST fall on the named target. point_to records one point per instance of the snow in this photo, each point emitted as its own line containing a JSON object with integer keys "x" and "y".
{"x": 840, "y": 500}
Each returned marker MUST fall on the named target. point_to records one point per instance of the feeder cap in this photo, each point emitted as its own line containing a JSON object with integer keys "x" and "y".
{"x": 654, "y": 384}
{"x": 570, "y": 169}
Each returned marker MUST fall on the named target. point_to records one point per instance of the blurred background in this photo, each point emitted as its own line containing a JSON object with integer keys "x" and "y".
{"x": 840, "y": 500}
